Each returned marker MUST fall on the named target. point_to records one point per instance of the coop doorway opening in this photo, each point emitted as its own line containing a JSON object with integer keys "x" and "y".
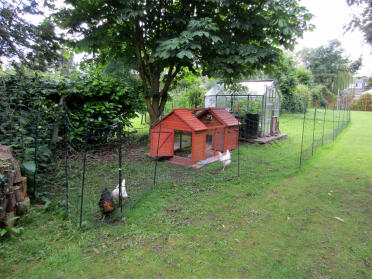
{"x": 182, "y": 144}
{"x": 214, "y": 143}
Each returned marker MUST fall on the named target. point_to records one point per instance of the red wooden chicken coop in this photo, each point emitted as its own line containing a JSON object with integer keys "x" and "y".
{"x": 188, "y": 136}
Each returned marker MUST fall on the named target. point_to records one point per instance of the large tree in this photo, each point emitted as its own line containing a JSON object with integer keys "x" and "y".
{"x": 224, "y": 38}
{"x": 35, "y": 46}
{"x": 329, "y": 65}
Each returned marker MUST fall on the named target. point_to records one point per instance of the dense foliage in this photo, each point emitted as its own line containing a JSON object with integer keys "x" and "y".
{"x": 293, "y": 84}
{"x": 223, "y": 38}
{"x": 329, "y": 66}
{"x": 25, "y": 112}
{"x": 99, "y": 100}
{"x": 188, "y": 90}
{"x": 327, "y": 73}
{"x": 34, "y": 106}
{"x": 36, "y": 46}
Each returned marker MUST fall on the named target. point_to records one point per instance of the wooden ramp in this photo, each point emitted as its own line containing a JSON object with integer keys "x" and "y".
{"x": 186, "y": 162}
{"x": 177, "y": 160}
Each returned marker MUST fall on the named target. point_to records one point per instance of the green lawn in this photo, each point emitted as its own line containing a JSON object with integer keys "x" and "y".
{"x": 272, "y": 222}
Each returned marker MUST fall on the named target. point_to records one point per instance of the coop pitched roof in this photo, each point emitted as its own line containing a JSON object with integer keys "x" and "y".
{"x": 192, "y": 121}
{"x": 188, "y": 118}
{"x": 223, "y": 116}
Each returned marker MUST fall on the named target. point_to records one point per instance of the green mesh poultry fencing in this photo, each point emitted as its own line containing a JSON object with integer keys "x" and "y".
{"x": 89, "y": 159}
{"x": 103, "y": 165}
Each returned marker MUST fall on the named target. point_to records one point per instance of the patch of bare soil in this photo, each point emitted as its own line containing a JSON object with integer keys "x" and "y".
{"x": 135, "y": 153}
{"x": 171, "y": 210}
{"x": 103, "y": 155}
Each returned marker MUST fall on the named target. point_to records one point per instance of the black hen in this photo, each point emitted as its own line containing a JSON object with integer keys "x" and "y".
{"x": 106, "y": 203}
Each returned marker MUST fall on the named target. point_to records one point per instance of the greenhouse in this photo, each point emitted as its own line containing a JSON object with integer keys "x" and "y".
{"x": 256, "y": 103}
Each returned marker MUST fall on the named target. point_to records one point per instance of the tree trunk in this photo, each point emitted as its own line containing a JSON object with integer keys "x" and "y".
{"x": 150, "y": 74}
{"x": 153, "y": 110}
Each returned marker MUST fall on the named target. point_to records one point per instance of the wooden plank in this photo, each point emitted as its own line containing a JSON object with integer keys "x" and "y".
{"x": 225, "y": 138}
{"x": 215, "y": 143}
{"x": 197, "y": 146}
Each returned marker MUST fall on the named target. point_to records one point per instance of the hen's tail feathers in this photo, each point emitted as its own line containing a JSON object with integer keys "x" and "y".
{"x": 124, "y": 192}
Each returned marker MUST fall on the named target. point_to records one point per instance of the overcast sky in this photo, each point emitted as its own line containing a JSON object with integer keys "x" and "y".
{"x": 330, "y": 16}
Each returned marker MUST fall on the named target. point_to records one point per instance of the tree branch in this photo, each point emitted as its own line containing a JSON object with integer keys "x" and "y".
{"x": 137, "y": 40}
{"x": 164, "y": 91}
{"x": 146, "y": 62}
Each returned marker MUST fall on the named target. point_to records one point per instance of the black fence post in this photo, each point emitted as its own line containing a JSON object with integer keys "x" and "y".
{"x": 338, "y": 120}
{"x": 36, "y": 142}
{"x": 67, "y": 165}
{"x": 312, "y": 148}
{"x": 120, "y": 127}
{"x": 333, "y": 122}
{"x": 343, "y": 117}
{"x": 157, "y": 150}
{"x": 238, "y": 150}
{"x": 84, "y": 171}
{"x": 302, "y": 139}
{"x": 349, "y": 113}
{"x": 324, "y": 120}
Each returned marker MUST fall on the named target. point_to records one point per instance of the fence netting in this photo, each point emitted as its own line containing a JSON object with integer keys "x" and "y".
{"x": 89, "y": 159}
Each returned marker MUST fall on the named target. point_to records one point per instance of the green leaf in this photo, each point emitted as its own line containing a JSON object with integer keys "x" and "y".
{"x": 12, "y": 219}
{"x": 184, "y": 53}
{"x": 216, "y": 39}
{"x": 29, "y": 166}
{"x": 281, "y": 23}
